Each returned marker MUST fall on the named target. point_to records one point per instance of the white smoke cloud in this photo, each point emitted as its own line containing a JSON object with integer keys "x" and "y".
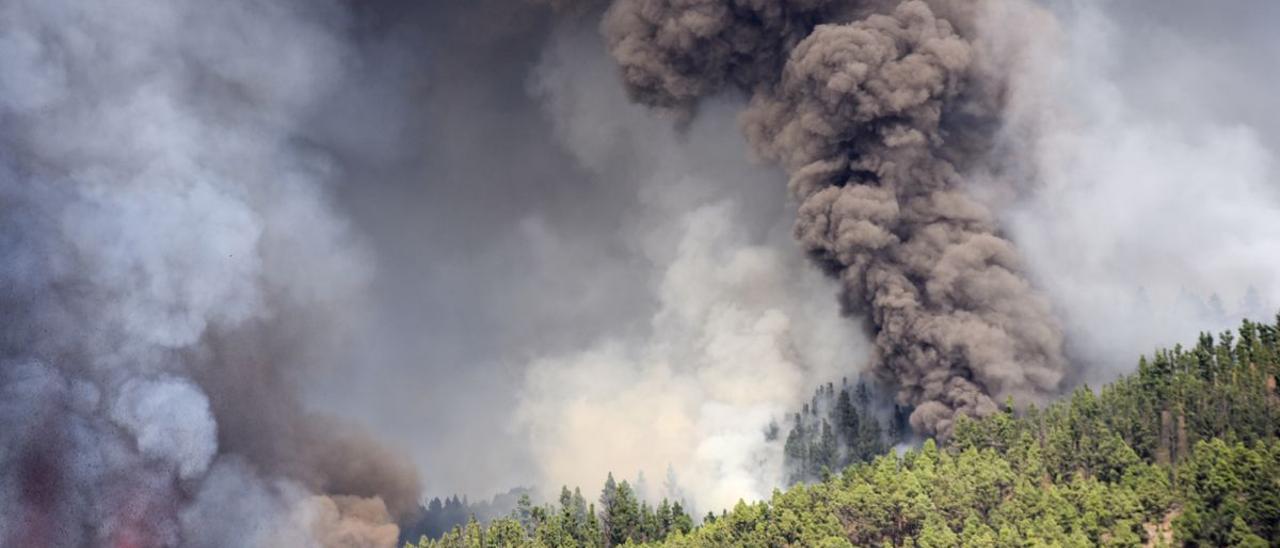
{"x": 170, "y": 420}
{"x": 728, "y": 353}
{"x": 740, "y": 329}
{"x": 1152, "y": 216}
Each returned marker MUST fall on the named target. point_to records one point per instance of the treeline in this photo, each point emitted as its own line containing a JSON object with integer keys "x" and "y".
{"x": 836, "y": 429}
{"x": 1186, "y": 451}
{"x": 439, "y": 516}
{"x": 622, "y": 518}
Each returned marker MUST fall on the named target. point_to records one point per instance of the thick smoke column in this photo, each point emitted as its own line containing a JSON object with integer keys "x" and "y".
{"x": 877, "y": 110}
{"x": 164, "y": 232}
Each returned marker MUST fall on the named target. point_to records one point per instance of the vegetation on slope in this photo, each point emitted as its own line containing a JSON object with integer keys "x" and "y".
{"x": 1183, "y": 452}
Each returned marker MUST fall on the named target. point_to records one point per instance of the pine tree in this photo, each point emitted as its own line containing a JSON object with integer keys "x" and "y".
{"x": 624, "y": 516}
{"x": 681, "y": 520}
{"x": 796, "y": 452}
{"x": 608, "y": 503}
{"x": 524, "y": 512}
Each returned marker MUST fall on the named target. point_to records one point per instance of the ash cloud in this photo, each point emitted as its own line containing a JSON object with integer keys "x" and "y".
{"x": 877, "y": 114}
{"x": 924, "y": 138}
{"x": 674, "y": 53}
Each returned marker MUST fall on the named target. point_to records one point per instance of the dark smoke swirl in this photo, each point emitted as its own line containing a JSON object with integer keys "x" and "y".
{"x": 875, "y": 109}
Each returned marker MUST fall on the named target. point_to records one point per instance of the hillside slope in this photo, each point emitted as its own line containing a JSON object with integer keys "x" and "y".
{"x": 1184, "y": 451}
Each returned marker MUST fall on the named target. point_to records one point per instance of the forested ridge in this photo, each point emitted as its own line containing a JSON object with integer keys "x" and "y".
{"x": 1184, "y": 451}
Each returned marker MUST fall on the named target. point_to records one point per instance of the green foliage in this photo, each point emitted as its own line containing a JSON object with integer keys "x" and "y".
{"x": 835, "y": 429}
{"x": 1190, "y": 438}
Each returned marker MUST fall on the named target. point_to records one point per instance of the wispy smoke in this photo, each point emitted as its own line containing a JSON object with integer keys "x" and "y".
{"x": 163, "y": 229}
{"x": 877, "y": 117}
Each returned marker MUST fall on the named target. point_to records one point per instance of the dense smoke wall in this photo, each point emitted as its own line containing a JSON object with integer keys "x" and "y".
{"x": 163, "y": 232}
{"x": 878, "y": 111}
{"x": 220, "y": 221}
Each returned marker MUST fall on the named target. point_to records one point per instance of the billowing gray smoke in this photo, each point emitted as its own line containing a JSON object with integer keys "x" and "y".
{"x": 167, "y": 249}
{"x": 878, "y": 110}
{"x": 180, "y": 291}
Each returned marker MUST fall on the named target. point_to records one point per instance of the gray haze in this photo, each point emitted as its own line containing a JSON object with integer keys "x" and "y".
{"x": 172, "y": 258}
{"x": 276, "y": 260}
{"x": 1156, "y": 208}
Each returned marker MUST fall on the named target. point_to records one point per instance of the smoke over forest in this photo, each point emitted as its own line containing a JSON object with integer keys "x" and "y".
{"x": 273, "y": 271}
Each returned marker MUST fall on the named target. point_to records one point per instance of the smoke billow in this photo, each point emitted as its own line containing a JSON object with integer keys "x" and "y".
{"x": 877, "y": 113}
{"x": 1154, "y": 213}
{"x": 457, "y": 223}
{"x": 734, "y": 304}
{"x": 688, "y": 396}
{"x": 675, "y": 53}
{"x": 168, "y": 242}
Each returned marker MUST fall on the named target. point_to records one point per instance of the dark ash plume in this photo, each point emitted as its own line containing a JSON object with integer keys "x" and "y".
{"x": 674, "y": 52}
{"x": 877, "y": 113}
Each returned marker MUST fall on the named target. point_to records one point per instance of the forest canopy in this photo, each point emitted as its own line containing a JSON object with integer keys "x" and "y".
{"x": 1184, "y": 451}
